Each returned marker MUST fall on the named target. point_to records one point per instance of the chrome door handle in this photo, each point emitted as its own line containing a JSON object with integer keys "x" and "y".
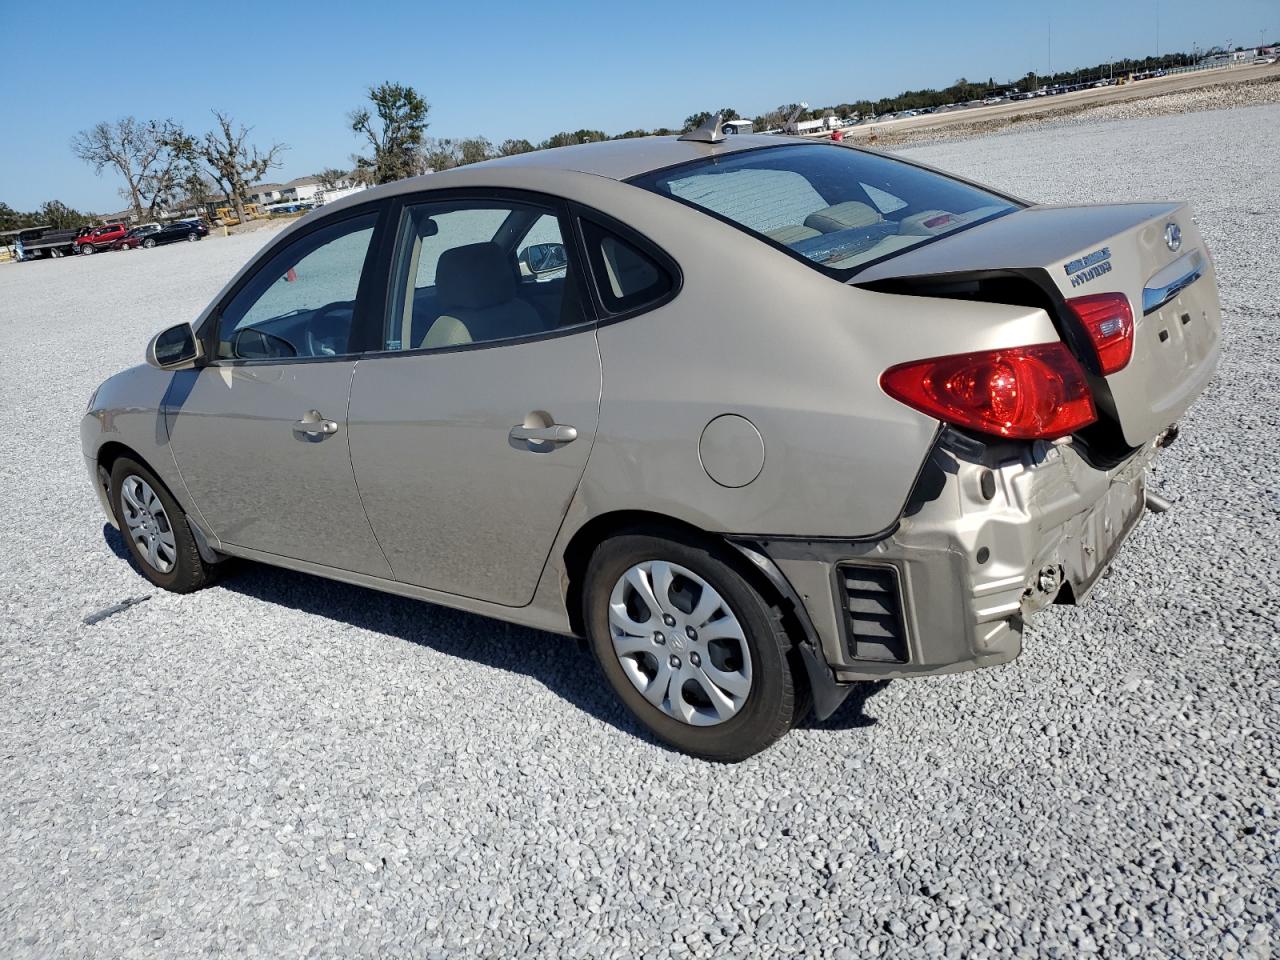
{"x": 556, "y": 433}
{"x": 315, "y": 425}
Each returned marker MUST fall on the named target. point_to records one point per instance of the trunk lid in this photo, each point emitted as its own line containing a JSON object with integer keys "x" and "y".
{"x": 1150, "y": 252}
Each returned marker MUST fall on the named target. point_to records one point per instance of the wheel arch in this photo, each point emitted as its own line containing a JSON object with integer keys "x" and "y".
{"x": 113, "y": 450}
{"x": 746, "y": 557}
{"x": 751, "y": 562}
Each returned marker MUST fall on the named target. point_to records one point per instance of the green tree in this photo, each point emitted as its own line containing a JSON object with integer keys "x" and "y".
{"x": 330, "y": 177}
{"x": 566, "y": 139}
{"x": 395, "y": 130}
{"x": 695, "y": 120}
{"x": 57, "y": 214}
{"x": 510, "y": 148}
{"x": 11, "y": 219}
{"x": 474, "y": 150}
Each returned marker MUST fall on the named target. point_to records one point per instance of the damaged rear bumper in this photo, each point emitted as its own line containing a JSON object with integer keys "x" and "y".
{"x": 992, "y": 535}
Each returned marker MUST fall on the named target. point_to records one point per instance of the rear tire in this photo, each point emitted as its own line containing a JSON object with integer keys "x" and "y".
{"x": 155, "y": 529}
{"x": 721, "y": 689}
{"x": 192, "y": 237}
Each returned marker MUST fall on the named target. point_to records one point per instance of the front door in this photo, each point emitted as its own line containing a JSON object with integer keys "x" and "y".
{"x": 260, "y": 434}
{"x": 470, "y": 430}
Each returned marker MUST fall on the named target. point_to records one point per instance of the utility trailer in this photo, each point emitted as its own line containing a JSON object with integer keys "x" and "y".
{"x": 35, "y": 243}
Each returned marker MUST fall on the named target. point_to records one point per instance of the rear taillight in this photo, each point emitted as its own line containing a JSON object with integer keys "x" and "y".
{"x": 1108, "y": 319}
{"x": 1026, "y": 393}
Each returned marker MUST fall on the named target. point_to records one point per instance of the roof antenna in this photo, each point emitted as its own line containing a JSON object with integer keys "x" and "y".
{"x": 709, "y": 132}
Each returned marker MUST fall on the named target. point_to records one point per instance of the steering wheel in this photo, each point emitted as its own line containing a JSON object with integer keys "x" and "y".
{"x": 327, "y": 333}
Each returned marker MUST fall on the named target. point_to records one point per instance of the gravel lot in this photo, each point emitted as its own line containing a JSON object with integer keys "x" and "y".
{"x": 1169, "y": 96}
{"x": 282, "y": 766}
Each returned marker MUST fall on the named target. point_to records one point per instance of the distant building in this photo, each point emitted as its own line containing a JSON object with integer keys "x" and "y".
{"x": 264, "y": 193}
{"x": 738, "y": 126}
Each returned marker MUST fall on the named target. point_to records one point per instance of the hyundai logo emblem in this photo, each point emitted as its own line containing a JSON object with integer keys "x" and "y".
{"x": 1173, "y": 237}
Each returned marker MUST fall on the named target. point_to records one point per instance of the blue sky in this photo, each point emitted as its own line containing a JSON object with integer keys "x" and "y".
{"x": 521, "y": 69}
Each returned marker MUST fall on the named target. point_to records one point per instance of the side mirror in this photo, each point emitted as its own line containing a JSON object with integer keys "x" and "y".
{"x": 543, "y": 258}
{"x": 175, "y": 349}
{"x": 249, "y": 343}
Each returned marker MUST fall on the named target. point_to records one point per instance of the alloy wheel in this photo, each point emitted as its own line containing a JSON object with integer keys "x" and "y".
{"x": 679, "y": 643}
{"x": 148, "y": 523}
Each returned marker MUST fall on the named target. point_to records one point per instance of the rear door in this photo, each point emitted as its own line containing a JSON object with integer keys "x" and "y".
{"x": 260, "y": 433}
{"x": 470, "y": 428}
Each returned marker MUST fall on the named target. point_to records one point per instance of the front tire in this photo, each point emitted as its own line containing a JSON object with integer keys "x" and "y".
{"x": 156, "y": 530}
{"x": 87, "y": 249}
{"x": 691, "y": 648}
{"x": 148, "y": 243}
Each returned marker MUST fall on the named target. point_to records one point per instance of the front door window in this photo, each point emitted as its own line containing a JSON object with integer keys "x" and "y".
{"x": 302, "y": 303}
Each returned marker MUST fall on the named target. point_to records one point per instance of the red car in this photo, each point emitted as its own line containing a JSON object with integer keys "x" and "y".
{"x": 101, "y": 239}
{"x": 135, "y": 238}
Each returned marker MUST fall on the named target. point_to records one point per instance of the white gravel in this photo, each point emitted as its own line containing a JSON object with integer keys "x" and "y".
{"x": 1224, "y": 94}
{"x": 282, "y": 766}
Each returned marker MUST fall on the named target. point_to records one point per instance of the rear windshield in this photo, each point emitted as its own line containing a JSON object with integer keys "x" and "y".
{"x": 836, "y": 207}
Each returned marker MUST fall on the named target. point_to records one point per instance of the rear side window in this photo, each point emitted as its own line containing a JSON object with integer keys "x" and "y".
{"x": 627, "y": 277}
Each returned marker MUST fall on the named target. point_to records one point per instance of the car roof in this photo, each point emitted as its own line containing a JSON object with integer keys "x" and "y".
{"x": 622, "y": 159}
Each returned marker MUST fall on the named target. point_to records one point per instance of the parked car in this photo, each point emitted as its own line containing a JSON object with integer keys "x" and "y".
{"x": 173, "y": 232}
{"x": 101, "y": 238}
{"x": 135, "y": 237}
{"x": 754, "y": 441}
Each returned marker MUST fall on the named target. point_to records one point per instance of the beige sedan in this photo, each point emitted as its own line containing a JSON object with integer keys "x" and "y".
{"x": 757, "y": 416}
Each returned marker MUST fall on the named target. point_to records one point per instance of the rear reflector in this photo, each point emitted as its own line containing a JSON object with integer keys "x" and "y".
{"x": 1026, "y": 393}
{"x": 1108, "y": 319}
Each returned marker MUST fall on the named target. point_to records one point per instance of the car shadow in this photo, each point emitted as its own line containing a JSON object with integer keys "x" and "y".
{"x": 561, "y": 664}
{"x": 115, "y": 542}
{"x": 850, "y": 715}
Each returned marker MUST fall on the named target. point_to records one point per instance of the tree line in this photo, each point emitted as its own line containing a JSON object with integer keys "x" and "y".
{"x": 165, "y": 166}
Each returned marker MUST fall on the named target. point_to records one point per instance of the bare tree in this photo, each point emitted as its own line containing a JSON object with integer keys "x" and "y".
{"x": 141, "y": 152}
{"x": 397, "y": 134}
{"x": 436, "y": 154}
{"x": 232, "y": 163}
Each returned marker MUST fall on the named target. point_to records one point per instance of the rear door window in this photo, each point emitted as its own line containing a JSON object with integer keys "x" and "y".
{"x": 477, "y": 271}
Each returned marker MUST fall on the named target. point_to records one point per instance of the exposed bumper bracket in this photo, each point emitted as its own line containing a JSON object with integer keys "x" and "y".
{"x": 827, "y": 693}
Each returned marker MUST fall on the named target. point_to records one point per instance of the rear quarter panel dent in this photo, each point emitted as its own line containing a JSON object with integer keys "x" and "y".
{"x": 758, "y": 334}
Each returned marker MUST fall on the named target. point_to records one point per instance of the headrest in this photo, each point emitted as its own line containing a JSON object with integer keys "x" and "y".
{"x": 475, "y": 276}
{"x": 843, "y": 216}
